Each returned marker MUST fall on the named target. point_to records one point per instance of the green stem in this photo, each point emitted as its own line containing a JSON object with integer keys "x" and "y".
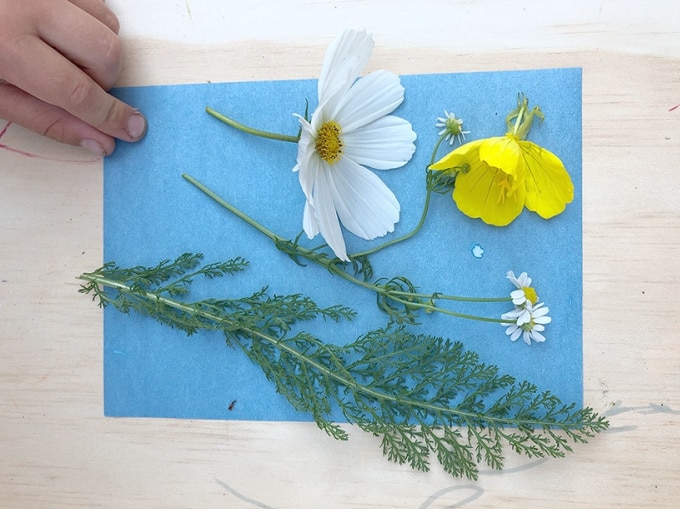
{"x": 456, "y": 298}
{"x": 423, "y": 216}
{"x": 404, "y": 298}
{"x": 268, "y": 233}
{"x": 250, "y": 130}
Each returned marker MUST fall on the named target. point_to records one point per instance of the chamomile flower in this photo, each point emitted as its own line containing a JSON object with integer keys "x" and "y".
{"x": 525, "y": 292}
{"x": 352, "y": 128}
{"x": 528, "y": 321}
{"x": 452, "y": 128}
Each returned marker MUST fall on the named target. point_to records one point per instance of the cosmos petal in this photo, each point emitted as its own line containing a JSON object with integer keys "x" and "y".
{"x": 309, "y": 223}
{"x": 365, "y": 205}
{"x": 309, "y": 167}
{"x": 383, "y": 144}
{"x": 370, "y": 98}
{"x": 344, "y": 60}
{"x": 327, "y": 217}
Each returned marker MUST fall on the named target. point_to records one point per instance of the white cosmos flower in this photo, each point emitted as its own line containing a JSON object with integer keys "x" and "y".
{"x": 350, "y": 128}
{"x": 529, "y": 322}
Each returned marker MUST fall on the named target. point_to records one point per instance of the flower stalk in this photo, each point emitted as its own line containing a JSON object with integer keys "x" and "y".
{"x": 249, "y": 130}
{"x": 397, "y": 297}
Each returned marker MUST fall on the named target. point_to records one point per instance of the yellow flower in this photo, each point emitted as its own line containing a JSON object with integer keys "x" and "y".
{"x": 497, "y": 177}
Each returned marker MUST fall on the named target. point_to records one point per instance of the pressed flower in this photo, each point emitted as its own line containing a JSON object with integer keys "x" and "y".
{"x": 497, "y": 177}
{"x": 489, "y": 179}
{"x": 452, "y": 128}
{"x": 350, "y": 129}
{"x": 525, "y": 292}
{"x": 528, "y": 321}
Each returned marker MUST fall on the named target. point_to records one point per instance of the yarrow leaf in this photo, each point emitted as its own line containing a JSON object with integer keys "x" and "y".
{"x": 422, "y": 395}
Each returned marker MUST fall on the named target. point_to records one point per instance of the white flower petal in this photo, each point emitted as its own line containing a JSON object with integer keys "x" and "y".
{"x": 511, "y": 276}
{"x": 512, "y": 315}
{"x": 542, "y": 319}
{"x": 309, "y": 223}
{"x": 365, "y": 205}
{"x": 373, "y": 96}
{"x": 310, "y": 165}
{"x": 524, "y": 317}
{"x": 537, "y": 336}
{"x": 326, "y": 216}
{"x": 384, "y": 144}
{"x": 539, "y": 310}
{"x": 523, "y": 281}
{"x": 518, "y": 297}
{"x": 345, "y": 58}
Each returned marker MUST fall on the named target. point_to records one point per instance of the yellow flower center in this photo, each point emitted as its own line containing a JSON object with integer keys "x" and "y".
{"x": 530, "y": 294}
{"x": 329, "y": 143}
{"x": 505, "y": 187}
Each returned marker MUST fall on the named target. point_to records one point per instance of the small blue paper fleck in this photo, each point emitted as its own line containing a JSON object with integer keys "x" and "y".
{"x": 477, "y": 251}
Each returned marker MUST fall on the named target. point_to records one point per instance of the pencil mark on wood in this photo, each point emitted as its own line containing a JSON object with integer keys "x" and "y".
{"x": 473, "y": 493}
{"x": 514, "y": 470}
{"x": 253, "y": 502}
{"x": 3, "y": 131}
{"x": 651, "y": 408}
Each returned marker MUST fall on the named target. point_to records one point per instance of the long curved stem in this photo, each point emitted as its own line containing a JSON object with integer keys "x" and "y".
{"x": 255, "y": 132}
{"x": 407, "y": 299}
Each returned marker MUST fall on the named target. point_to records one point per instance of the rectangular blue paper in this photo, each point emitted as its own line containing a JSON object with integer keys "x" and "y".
{"x": 151, "y": 213}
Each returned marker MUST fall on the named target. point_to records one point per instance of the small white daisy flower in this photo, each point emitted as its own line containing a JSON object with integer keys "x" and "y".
{"x": 525, "y": 292}
{"x": 452, "y": 127}
{"x": 529, "y": 322}
{"x": 350, "y": 128}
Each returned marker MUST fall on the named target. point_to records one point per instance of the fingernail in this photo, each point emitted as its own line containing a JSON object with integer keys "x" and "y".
{"x": 136, "y": 126}
{"x": 93, "y": 146}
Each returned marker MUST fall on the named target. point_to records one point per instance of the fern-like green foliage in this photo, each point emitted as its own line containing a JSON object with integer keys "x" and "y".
{"x": 424, "y": 396}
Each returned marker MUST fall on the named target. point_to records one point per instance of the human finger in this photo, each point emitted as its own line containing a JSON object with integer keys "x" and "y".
{"x": 99, "y": 10}
{"x": 63, "y": 84}
{"x": 21, "y": 108}
{"x": 83, "y": 39}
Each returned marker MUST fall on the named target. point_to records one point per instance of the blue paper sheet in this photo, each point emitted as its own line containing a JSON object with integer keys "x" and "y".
{"x": 151, "y": 213}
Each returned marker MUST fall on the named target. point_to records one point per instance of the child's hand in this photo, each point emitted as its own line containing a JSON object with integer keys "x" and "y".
{"x": 57, "y": 60}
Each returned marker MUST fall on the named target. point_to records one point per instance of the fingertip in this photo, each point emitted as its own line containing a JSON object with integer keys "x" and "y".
{"x": 97, "y": 148}
{"x": 136, "y": 126}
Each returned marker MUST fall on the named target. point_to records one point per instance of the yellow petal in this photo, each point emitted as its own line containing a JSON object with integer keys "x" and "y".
{"x": 503, "y": 152}
{"x": 549, "y": 187}
{"x": 458, "y": 157}
{"x": 489, "y": 193}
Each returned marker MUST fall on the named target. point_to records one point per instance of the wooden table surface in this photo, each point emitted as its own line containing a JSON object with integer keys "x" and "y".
{"x": 58, "y": 450}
